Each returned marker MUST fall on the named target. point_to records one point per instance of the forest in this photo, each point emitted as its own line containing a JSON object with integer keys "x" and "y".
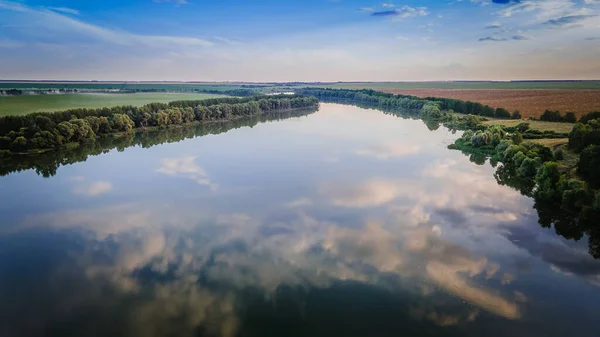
{"x": 44, "y": 131}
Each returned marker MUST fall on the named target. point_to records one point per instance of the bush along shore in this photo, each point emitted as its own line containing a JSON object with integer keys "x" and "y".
{"x": 40, "y": 132}
{"x": 564, "y": 182}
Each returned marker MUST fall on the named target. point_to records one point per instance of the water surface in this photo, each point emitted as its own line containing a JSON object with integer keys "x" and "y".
{"x": 346, "y": 222}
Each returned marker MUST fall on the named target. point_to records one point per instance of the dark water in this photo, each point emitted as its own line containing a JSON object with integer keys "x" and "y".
{"x": 346, "y": 222}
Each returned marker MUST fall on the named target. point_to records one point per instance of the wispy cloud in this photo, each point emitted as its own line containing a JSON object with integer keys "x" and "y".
{"x": 543, "y": 9}
{"x": 519, "y": 37}
{"x": 365, "y": 9}
{"x": 65, "y": 10}
{"x": 176, "y": 2}
{"x": 388, "y": 5}
{"x": 403, "y": 12}
{"x": 493, "y": 39}
{"x": 568, "y": 21}
{"x": 494, "y": 25}
{"x": 228, "y": 41}
{"x": 53, "y": 21}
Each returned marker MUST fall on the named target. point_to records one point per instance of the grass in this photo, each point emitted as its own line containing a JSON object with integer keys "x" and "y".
{"x": 535, "y": 125}
{"x": 19, "y": 105}
{"x": 551, "y": 142}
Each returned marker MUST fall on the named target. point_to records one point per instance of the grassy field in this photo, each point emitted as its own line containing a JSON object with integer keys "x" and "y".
{"x": 536, "y": 125}
{"x": 552, "y": 143}
{"x": 18, "y": 105}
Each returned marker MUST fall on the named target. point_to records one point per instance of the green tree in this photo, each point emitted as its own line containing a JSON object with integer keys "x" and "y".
{"x": 570, "y": 117}
{"x": 589, "y": 165}
{"x": 517, "y": 138}
{"x": 502, "y": 113}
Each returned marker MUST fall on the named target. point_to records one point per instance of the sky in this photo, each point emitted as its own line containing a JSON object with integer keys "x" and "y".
{"x": 308, "y": 40}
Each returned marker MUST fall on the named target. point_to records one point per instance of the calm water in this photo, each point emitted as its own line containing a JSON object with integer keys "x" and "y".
{"x": 346, "y": 222}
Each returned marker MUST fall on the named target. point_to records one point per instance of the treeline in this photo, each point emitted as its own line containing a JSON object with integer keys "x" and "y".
{"x": 365, "y": 96}
{"x": 474, "y": 108}
{"x": 555, "y": 116}
{"x": 47, "y": 163}
{"x": 42, "y": 131}
{"x": 387, "y": 100}
{"x": 228, "y": 92}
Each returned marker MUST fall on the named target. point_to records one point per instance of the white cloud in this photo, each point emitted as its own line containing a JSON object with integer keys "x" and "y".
{"x": 388, "y": 5}
{"x": 494, "y": 25}
{"x": 403, "y": 12}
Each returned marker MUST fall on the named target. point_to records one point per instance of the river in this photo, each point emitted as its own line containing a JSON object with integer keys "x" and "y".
{"x": 344, "y": 222}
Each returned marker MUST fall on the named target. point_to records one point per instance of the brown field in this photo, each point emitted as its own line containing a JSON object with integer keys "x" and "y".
{"x": 531, "y": 102}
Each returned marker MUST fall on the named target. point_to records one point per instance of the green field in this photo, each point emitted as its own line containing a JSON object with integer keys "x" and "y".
{"x": 179, "y": 86}
{"x": 18, "y": 105}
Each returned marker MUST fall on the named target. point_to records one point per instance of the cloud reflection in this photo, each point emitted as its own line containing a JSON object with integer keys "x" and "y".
{"x": 185, "y": 167}
{"x": 389, "y": 150}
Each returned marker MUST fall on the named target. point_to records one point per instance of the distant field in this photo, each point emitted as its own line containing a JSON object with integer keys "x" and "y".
{"x": 537, "y": 125}
{"x": 177, "y": 86}
{"x": 18, "y": 105}
{"x": 463, "y": 85}
{"x": 531, "y": 102}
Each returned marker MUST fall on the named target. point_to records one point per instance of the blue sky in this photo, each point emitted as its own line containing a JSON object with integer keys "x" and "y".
{"x": 309, "y": 40}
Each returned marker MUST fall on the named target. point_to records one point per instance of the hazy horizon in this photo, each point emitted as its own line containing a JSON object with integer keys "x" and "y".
{"x": 308, "y": 41}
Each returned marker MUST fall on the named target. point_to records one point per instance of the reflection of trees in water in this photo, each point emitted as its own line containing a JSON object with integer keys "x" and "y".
{"x": 572, "y": 224}
{"x": 46, "y": 164}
